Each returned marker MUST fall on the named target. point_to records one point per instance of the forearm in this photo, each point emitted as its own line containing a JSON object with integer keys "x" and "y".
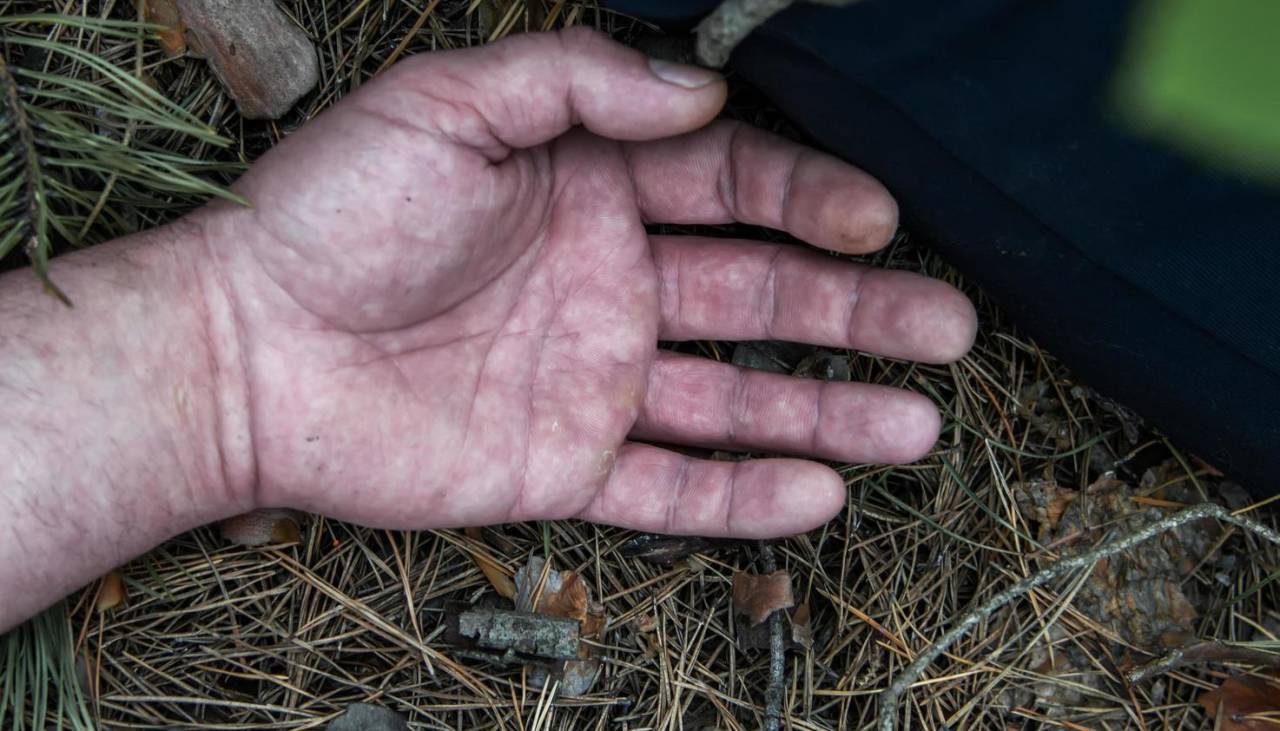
{"x": 121, "y": 419}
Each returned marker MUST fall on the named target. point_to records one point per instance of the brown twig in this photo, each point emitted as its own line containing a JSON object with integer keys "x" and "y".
{"x": 1208, "y": 651}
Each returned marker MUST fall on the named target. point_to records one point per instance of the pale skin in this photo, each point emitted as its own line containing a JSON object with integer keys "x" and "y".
{"x": 443, "y": 309}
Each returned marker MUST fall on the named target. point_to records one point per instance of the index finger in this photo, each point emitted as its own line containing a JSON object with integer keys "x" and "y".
{"x": 730, "y": 172}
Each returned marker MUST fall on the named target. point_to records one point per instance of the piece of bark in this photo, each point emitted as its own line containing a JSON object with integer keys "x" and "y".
{"x": 265, "y": 61}
{"x": 550, "y": 647}
{"x": 759, "y": 595}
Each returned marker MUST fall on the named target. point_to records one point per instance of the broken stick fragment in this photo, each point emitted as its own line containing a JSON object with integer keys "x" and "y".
{"x": 265, "y": 61}
{"x": 523, "y": 633}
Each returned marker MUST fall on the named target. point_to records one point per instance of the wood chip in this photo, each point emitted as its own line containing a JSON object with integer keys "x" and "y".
{"x": 758, "y": 595}
{"x": 265, "y": 61}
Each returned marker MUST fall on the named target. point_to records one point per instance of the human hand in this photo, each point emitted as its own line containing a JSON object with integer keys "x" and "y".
{"x": 447, "y": 307}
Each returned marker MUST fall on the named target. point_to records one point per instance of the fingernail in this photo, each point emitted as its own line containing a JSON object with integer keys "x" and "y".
{"x": 690, "y": 77}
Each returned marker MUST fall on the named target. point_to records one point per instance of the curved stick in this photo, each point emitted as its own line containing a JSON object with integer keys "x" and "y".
{"x": 890, "y": 697}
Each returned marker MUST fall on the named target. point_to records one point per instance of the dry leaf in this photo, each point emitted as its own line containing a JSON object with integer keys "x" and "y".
{"x": 569, "y": 600}
{"x": 164, "y": 13}
{"x": 496, "y": 575}
{"x": 1247, "y": 703}
{"x": 111, "y": 593}
{"x": 757, "y": 596}
{"x": 261, "y": 527}
{"x": 563, "y": 594}
{"x": 801, "y": 632}
{"x": 573, "y": 601}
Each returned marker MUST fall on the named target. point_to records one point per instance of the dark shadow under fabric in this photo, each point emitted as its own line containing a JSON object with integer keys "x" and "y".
{"x": 1149, "y": 275}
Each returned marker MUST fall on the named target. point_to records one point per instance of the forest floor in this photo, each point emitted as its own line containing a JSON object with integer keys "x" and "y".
{"x": 1032, "y": 465}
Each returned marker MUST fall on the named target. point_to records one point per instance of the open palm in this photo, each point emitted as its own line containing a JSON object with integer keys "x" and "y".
{"x": 450, "y": 307}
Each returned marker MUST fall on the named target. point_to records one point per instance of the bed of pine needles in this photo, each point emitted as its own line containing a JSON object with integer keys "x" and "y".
{"x": 216, "y": 636}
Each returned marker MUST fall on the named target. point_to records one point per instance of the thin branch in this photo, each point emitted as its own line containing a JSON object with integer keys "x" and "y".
{"x": 721, "y": 31}
{"x": 890, "y": 698}
{"x": 733, "y": 20}
{"x": 777, "y": 654}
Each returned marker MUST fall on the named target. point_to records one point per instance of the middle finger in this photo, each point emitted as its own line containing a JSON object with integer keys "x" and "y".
{"x": 727, "y": 289}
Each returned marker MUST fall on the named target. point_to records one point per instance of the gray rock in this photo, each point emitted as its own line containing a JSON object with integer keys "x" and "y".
{"x": 369, "y": 717}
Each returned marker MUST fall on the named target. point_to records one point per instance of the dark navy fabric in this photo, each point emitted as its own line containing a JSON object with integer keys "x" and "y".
{"x": 1152, "y": 276}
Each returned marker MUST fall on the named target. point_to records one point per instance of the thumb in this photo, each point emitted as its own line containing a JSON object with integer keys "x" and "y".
{"x": 530, "y": 88}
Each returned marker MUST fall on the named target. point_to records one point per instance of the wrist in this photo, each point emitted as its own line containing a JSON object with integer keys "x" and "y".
{"x": 182, "y": 354}
{"x": 123, "y": 420}
{"x": 222, "y": 338}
